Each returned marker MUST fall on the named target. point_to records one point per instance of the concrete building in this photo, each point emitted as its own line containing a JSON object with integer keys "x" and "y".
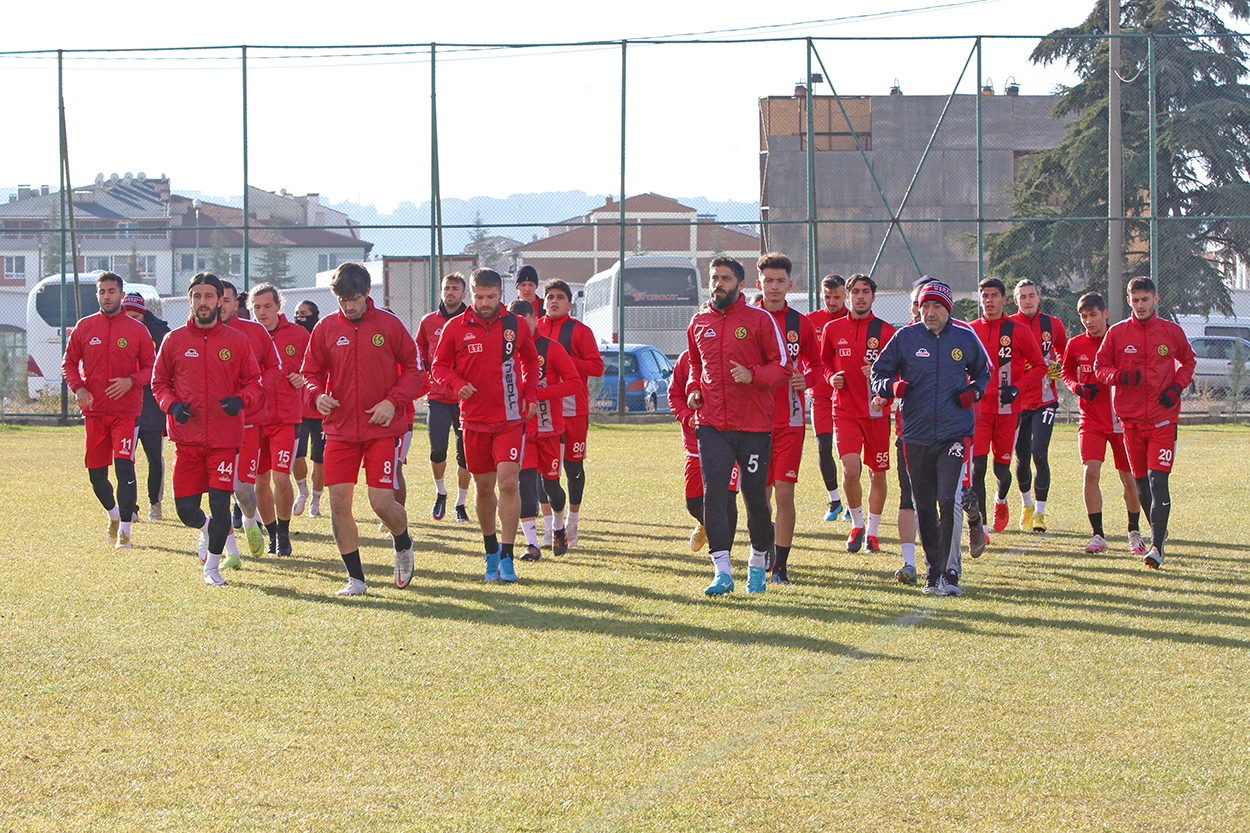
{"x": 893, "y": 131}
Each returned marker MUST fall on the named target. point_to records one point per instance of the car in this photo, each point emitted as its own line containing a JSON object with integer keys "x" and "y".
{"x": 1213, "y": 359}
{"x": 647, "y": 374}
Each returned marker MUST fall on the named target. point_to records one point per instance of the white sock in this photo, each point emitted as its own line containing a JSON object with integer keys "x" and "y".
{"x": 440, "y": 486}
{"x": 461, "y": 496}
{"x": 909, "y": 554}
{"x": 126, "y": 527}
{"x": 874, "y": 521}
{"x": 720, "y": 560}
{"x": 985, "y": 529}
{"x": 530, "y": 527}
{"x": 204, "y": 528}
{"x": 1026, "y": 498}
{"x": 303, "y": 486}
{"x": 248, "y": 523}
{"x": 115, "y": 514}
{"x": 757, "y": 558}
{"x": 857, "y": 516}
{"x": 1040, "y": 510}
{"x": 213, "y": 562}
{"x": 1000, "y": 501}
{"x": 572, "y": 520}
{"x": 548, "y": 520}
{"x": 833, "y": 495}
{"x": 316, "y": 493}
{"x": 558, "y": 520}
{"x": 232, "y": 546}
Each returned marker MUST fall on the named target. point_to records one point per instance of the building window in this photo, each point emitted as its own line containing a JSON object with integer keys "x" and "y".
{"x": 327, "y": 262}
{"x": 127, "y": 230}
{"x": 12, "y": 364}
{"x": 96, "y": 263}
{"x": 15, "y": 267}
{"x": 187, "y": 263}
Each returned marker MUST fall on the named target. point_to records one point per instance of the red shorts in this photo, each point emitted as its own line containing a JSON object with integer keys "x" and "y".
{"x": 822, "y": 415}
{"x": 575, "y": 437}
{"x": 694, "y": 477}
{"x": 380, "y": 456}
{"x": 787, "y": 453}
{"x": 1150, "y": 448}
{"x": 869, "y": 437}
{"x": 249, "y": 454}
{"x": 484, "y": 452}
{"x": 277, "y": 448}
{"x": 1093, "y": 446}
{"x": 997, "y": 430}
{"x": 198, "y": 469}
{"x": 110, "y": 438}
{"x": 543, "y": 453}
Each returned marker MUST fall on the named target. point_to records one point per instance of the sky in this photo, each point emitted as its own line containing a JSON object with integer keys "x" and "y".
{"x": 354, "y": 124}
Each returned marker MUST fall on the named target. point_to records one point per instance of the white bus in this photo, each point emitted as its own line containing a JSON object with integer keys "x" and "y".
{"x": 45, "y": 321}
{"x": 662, "y": 293}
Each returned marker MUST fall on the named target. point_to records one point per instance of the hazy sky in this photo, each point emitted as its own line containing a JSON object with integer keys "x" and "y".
{"x": 356, "y": 123}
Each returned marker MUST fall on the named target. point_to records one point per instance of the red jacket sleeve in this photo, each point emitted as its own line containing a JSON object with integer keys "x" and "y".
{"x": 73, "y": 355}
{"x": 314, "y": 369}
{"x": 270, "y": 365}
{"x": 163, "y": 375}
{"x": 694, "y": 377}
{"x": 570, "y": 380}
{"x": 1060, "y": 336}
{"x": 1068, "y": 370}
{"x": 1031, "y": 352}
{"x": 443, "y": 364}
{"x": 147, "y": 360}
{"x": 411, "y": 381}
{"x": 677, "y": 390}
{"x": 592, "y": 364}
{"x": 251, "y": 382}
{"x": 1185, "y": 355}
{"x": 828, "y": 357}
{"x": 774, "y": 370}
{"x": 812, "y": 357}
{"x": 528, "y": 354}
{"x": 1105, "y": 369}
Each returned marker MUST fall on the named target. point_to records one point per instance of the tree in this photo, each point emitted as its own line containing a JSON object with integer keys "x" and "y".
{"x": 1203, "y": 160}
{"x": 486, "y": 246}
{"x": 218, "y": 260}
{"x": 52, "y": 243}
{"x": 273, "y": 265}
{"x": 132, "y": 271}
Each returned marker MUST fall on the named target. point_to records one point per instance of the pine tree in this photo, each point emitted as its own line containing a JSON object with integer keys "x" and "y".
{"x": 1203, "y": 160}
{"x": 274, "y": 266}
{"x": 218, "y": 260}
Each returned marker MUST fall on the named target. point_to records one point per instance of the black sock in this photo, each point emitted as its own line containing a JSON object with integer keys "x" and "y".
{"x": 1095, "y": 520}
{"x": 491, "y": 543}
{"x": 403, "y": 541}
{"x": 351, "y": 561}
{"x": 783, "y": 553}
{"x": 507, "y": 551}
{"x": 284, "y": 527}
{"x": 272, "y": 529}
{"x": 1134, "y": 521}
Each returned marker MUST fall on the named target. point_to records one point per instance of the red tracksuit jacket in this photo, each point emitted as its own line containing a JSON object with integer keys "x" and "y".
{"x": 1078, "y": 369}
{"x": 821, "y": 318}
{"x": 1161, "y": 352}
{"x": 1015, "y": 359}
{"x": 486, "y": 355}
{"x": 286, "y": 403}
{"x": 844, "y": 347}
{"x": 201, "y": 367}
{"x": 579, "y": 342}
{"x": 803, "y": 356}
{"x": 360, "y": 364}
{"x": 746, "y": 335}
{"x": 1050, "y": 335}
{"x": 557, "y": 378}
{"x": 270, "y": 367}
{"x": 428, "y": 332}
{"x": 104, "y": 347}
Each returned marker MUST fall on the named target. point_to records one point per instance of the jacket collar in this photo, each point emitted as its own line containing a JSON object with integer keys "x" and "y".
{"x": 442, "y": 310}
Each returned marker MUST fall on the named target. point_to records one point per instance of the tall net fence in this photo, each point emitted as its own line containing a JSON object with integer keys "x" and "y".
{"x": 620, "y": 169}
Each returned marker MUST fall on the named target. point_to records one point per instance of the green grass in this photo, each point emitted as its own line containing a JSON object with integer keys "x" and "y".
{"x": 604, "y": 691}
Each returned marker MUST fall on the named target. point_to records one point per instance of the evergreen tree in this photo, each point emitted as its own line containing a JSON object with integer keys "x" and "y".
{"x": 1203, "y": 160}
{"x": 274, "y": 266}
{"x": 52, "y": 244}
{"x": 218, "y": 260}
{"x": 132, "y": 272}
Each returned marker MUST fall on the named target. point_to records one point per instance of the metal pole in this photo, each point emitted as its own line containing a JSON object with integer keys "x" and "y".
{"x": 620, "y": 272}
{"x": 247, "y": 232}
{"x": 1154, "y": 164}
{"x": 980, "y": 172}
{"x": 60, "y": 99}
{"x": 1115, "y": 173}
{"x": 813, "y": 255}
{"x": 434, "y": 283}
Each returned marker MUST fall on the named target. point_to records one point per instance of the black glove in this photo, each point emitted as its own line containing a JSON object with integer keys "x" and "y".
{"x": 1087, "y": 391}
{"x": 231, "y": 405}
{"x": 1169, "y": 396}
{"x": 181, "y": 412}
{"x": 1131, "y": 378}
{"x": 1007, "y": 394}
{"x": 968, "y": 397}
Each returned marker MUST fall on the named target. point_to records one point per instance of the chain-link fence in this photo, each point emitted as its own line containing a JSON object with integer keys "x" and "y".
{"x": 592, "y": 153}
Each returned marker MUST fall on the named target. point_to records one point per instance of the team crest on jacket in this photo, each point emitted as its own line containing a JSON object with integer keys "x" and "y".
{"x": 290, "y": 349}
{"x": 922, "y": 353}
{"x": 1130, "y": 349}
{"x": 95, "y": 340}
{"x": 342, "y": 342}
{"x": 224, "y": 354}
{"x": 708, "y": 332}
{"x": 378, "y": 340}
{"x": 1004, "y": 340}
{"x": 1163, "y": 349}
{"x": 509, "y": 335}
{"x": 469, "y": 337}
{"x": 957, "y": 354}
{"x": 874, "y": 343}
{"x": 841, "y": 341}
{"x": 740, "y": 333}
{"x": 122, "y": 342}
{"x": 191, "y": 354}
{"x": 791, "y": 336}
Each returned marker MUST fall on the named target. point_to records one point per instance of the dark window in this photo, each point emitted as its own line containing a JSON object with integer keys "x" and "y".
{"x": 48, "y": 303}
{"x": 609, "y": 363}
{"x": 667, "y": 285}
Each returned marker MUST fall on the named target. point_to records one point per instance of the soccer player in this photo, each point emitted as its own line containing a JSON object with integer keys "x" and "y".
{"x": 848, "y": 347}
{"x": 527, "y": 289}
{"x": 256, "y": 415}
{"x": 312, "y": 441}
{"x": 444, "y": 407}
{"x": 833, "y": 291}
{"x": 1016, "y": 364}
{"x": 737, "y": 358}
{"x": 557, "y": 378}
{"x": 939, "y": 371}
{"x": 579, "y": 342}
{"x": 152, "y": 419}
{"x": 361, "y": 369}
{"x": 789, "y": 430}
{"x": 486, "y": 355}
{"x": 1098, "y": 426}
{"x": 1037, "y": 414}
{"x": 205, "y": 375}
{"x": 108, "y": 360}
{"x": 678, "y": 389}
{"x": 1148, "y": 362}
{"x": 279, "y": 434}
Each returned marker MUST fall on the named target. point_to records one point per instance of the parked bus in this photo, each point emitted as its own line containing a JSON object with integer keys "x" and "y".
{"x": 45, "y": 322}
{"x": 662, "y": 294}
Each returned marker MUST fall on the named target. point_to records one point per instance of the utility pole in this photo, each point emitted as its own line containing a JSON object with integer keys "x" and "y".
{"x": 1115, "y": 173}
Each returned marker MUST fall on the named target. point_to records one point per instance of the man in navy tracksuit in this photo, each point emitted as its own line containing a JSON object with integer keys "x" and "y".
{"x": 939, "y": 370}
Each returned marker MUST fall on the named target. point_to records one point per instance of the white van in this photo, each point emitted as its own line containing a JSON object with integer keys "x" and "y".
{"x": 662, "y": 294}
{"x": 45, "y": 321}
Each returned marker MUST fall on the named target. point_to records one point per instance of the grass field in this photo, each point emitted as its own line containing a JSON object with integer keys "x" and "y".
{"x": 604, "y": 691}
